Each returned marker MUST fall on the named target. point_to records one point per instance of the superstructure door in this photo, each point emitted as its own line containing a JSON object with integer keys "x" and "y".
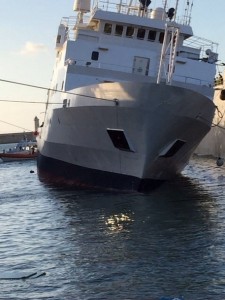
{"x": 141, "y": 65}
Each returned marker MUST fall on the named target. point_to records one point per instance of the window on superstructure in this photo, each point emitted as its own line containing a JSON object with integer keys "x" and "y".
{"x": 58, "y": 39}
{"x": 141, "y": 33}
{"x": 119, "y": 30}
{"x": 108, "y": 28}
{"x": 130, "y": 31}
{"x": 161, "y": 37}
{"x": 94, "y": 25}
{"x": 95, "y": 55}
{"x": 151, "y": 35}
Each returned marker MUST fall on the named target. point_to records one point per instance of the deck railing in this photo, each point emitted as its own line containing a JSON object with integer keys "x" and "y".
{"x": 132, "y": 70}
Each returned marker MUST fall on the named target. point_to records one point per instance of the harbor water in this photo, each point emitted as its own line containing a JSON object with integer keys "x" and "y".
{"x": 101, "y": 245}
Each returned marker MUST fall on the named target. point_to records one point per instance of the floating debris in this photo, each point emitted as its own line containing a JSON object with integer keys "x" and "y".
{"x": 20, "y": 276}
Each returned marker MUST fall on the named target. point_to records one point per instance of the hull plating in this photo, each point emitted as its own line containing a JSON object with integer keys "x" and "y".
{"x": 64, "y": 174}
{"x": 161, "y": 125}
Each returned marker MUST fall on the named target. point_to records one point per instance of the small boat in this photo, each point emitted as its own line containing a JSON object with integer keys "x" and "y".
{"x": 24, "y": 150}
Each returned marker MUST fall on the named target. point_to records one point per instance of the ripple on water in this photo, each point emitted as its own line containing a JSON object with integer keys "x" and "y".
{"x": 99, "y": 245}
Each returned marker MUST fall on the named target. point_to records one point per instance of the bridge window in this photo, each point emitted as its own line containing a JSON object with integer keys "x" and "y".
{"x": 130, "y": 31}
{"x": 141, "y": 33}
{"x": 119, "y": 30}
{"x": 151, "y": 35}
{"x": 108, "y": 28}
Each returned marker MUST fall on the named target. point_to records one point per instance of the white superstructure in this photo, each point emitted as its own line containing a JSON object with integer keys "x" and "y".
{"x": 131, "y": 95}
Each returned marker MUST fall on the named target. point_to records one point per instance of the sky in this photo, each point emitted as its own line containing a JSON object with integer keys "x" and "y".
{"x": 28, "y": 30}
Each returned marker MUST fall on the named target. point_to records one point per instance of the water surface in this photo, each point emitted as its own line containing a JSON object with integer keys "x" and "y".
{"x": 101, "y": 245}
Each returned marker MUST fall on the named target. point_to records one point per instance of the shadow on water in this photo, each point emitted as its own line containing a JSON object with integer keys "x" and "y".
{"x": 143, "y": 246}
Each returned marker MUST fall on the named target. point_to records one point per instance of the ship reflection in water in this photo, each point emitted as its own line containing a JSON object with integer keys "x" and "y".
{"x": 101, "y": 245}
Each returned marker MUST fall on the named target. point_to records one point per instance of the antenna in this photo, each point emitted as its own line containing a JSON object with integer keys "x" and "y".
{"x": 165, "y": 4}
{"x": 191, "y": 12}
{"x": 176, "y": 8}
{"x": 187, "y": 14}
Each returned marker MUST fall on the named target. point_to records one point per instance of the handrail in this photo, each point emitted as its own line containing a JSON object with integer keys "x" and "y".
{"x": 129, "y": 70}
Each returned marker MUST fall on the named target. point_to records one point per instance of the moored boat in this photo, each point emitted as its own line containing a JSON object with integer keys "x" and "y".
{"x": 24, "y": 150}
{"x": 130, "y": 98}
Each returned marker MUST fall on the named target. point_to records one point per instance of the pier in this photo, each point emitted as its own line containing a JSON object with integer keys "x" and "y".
{"x": 7, "y": 138}
{"x": 15, "y": 137}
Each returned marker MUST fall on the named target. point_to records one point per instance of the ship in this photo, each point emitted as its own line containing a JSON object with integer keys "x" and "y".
{"x": 131, "y": 95}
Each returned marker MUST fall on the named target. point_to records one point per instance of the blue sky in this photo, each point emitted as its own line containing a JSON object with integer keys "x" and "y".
{"x": 28, "y": 31}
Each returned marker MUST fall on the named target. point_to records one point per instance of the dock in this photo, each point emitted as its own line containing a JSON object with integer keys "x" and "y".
{"x": 7, "y": 138}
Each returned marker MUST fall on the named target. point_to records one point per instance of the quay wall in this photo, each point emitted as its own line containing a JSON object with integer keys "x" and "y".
{"x": 7, "y": 138}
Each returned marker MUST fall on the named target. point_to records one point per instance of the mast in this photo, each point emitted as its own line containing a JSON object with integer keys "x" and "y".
{"x": 188, "y": 10}
{"x": 176, "y": 8}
